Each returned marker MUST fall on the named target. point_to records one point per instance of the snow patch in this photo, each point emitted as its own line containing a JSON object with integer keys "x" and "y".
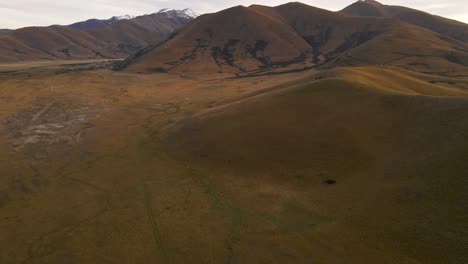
{"x": 123, "y": 17}
{"x": 184, "y": 13}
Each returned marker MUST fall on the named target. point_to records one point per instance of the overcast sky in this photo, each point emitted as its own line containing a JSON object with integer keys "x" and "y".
{"x": 21, "y": 13}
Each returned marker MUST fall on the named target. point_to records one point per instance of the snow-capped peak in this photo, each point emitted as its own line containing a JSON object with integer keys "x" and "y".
{"x": 124, "y": 17}
{"x": 189, "y": 12}
{"x": 185, "y": 13}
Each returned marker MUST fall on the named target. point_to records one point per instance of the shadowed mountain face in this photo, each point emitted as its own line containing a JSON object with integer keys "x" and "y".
{"x": 441, "y": 25}
{"x": 92, "y": 39}
{"x": 296, "y": 36}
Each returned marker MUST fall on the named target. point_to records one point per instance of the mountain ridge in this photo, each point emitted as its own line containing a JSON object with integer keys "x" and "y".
{"x": 95, "y": 23}
{"x": 296, "y": 36}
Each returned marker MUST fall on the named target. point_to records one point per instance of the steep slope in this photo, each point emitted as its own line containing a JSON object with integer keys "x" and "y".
{"x": 295, "y": 36}
{"x": 373, "y": 171}
{"x": 441, "y": 25}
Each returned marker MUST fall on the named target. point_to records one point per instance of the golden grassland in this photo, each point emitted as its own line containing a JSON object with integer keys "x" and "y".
{"x": 353, "y": 165}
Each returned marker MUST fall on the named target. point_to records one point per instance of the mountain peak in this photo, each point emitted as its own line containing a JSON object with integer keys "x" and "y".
{"x": 123, "y": 17}
{"x": 366, "y": 8}
{"x": 185, "y": 13}
{"x": 190, "y": 12}
{"x": 373, "y": 2}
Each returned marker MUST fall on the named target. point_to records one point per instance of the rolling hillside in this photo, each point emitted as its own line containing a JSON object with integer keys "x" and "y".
{"x": 367, "y": 163}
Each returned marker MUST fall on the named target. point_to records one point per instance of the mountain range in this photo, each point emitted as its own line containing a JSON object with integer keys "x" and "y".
{"x": 254, "y": 40}
{"x": 296, "y": 36}
{"x": 181, "y": 16}
{"x": 114, "y": 38}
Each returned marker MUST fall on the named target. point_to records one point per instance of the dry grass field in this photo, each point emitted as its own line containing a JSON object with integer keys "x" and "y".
{"x": 352, "y": 165}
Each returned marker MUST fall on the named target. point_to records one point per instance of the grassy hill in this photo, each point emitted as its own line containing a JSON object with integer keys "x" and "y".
{"x": 366, "y": 163}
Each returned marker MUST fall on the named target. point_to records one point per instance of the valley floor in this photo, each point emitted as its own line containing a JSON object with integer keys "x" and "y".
{"x": 355, "y": 165}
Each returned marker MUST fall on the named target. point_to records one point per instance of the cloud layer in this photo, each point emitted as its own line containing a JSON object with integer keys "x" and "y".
{"x": 21, "y": 13}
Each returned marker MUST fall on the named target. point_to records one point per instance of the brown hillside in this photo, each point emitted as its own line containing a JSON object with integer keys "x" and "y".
{"x": 441, "y": 25}
{"x": 243, "y": 39}
{"x": 50, "y": 43}
{"x": 412, "y": 48}
{"x": 297, "y": 36}
{"x": 372, "y": 169}
{"x": 233, "y": 40}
